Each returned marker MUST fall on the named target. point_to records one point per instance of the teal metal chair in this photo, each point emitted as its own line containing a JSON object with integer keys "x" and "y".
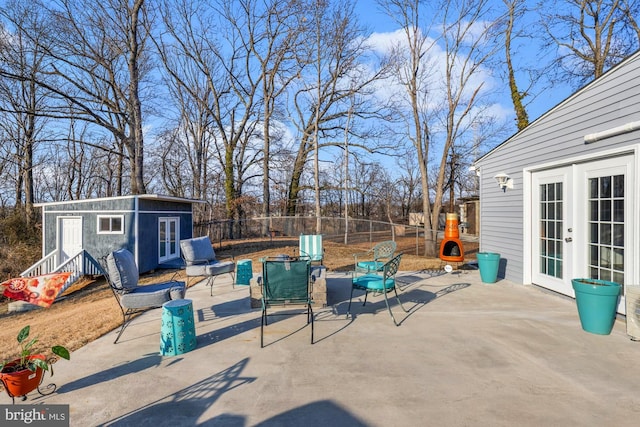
{"x": 285, "y": 282}
{"x": 374, "y": 259}
{"x": 381, "y": 282}
{"x": 311, "y": 247}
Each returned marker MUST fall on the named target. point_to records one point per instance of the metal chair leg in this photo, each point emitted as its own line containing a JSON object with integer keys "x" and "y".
{"x": 386, "y": 301}
{"x": 366, "y": 294}
{"x": 126, "y": 319}
{"x": 400, "y": 302}
{"x": 262, "y": 323}
{"x": 350, "y": 297}
{"x": 310, "y": 316}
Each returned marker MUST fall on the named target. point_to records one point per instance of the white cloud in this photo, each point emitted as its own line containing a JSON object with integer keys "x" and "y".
{"x": 434, "y": 68}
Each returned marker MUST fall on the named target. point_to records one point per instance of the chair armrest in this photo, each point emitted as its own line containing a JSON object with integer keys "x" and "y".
{"x": 362, "y": 254}
{"x": 173, "y": 277}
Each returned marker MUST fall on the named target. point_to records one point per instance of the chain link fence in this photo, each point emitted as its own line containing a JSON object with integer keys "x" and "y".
{"x": 410, "y": 239}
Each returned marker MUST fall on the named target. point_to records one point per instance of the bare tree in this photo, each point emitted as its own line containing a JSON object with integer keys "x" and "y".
{"x": 413, "y": 74}
{"x": 21, "y": 99}
{"x": 408, "y": 183}
{"x": 515, "y": 11}
{"x": 331, "y": 75}
{"x": 277, "y": 45}
{"x": 207, "y": 54}
{"x": 96, "y": 65}
{"x": 466, "y": 27}
{"x": 447, "y": 65}
{"x": 591, "y": 36}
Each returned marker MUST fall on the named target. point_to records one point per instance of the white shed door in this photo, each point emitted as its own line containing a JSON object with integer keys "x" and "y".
{"x": 70, "y": 235}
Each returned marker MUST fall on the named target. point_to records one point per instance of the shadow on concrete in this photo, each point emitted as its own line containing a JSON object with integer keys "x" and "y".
{"x": 185, "y": 407}
{"x": 131, "y": 367}
{"x": 227, "y": 332}
{"x": 316, "y": 414}
{"x": 338, "y": 291}
{"x": 418, "y": 297}
{"x": 412, "y": 278}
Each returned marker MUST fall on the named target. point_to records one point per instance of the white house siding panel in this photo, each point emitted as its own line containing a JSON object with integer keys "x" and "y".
{"x": 611, "y": 101}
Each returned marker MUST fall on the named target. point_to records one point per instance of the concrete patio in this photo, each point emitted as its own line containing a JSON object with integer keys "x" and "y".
{"x": 468, "y": 354}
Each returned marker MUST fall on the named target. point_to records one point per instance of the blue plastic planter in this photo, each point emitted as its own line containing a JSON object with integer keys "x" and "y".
{"x": 597, "y": 301}
{"x": 488, "y": 263}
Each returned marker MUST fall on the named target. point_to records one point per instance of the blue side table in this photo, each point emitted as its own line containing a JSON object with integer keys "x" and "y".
{"x": 178, "y": 332}
{"x": 244, "y": 272}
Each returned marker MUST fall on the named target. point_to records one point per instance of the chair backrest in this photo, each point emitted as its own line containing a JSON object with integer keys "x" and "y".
{"x": 311, "y": 246}
{"x": 122, "y": 270}
{"x": 391, "y": 267}
{"x": 197, "y": 250}
{"x": 285, "y": 281}
{"x": 384, "y": 250}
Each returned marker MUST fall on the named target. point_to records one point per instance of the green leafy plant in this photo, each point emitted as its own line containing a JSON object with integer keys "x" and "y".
{"x": 25, "y": 361}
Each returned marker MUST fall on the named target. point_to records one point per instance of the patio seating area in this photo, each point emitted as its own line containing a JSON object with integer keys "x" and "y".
{"x": 466, "y": 353}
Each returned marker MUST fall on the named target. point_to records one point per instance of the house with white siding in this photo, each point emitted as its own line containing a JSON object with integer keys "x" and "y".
{"x": 569, "y": 203}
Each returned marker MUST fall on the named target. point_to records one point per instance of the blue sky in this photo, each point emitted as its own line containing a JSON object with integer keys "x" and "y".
{"x": 379, "y": 23}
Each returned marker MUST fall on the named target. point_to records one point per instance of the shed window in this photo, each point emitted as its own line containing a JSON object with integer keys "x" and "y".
{"x": 110, "y": 224}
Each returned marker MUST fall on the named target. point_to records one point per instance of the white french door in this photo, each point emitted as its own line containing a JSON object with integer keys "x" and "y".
{"x": 607, "y": 201}
{"x": 552, "y": 229}
{"x": 583, "y": 223}
{"x": 168, "y": 229}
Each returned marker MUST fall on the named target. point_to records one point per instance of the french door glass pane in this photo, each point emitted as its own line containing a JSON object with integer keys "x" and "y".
{"x": 172, "y": 237}
{"x": 606, "y": 228}
{"x": 163, "y": 238}
{"x": 551, "y": 226}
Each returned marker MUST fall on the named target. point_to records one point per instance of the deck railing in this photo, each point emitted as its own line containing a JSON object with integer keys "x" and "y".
{"x": 79, "y": 265}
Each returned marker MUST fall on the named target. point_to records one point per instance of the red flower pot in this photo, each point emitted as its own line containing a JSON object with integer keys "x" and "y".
{"x": 19, "y": 383}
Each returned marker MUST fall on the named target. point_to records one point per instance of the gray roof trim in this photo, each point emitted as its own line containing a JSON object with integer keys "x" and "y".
{"x": 595, "y": 82}
{"x": 138, "y": 196}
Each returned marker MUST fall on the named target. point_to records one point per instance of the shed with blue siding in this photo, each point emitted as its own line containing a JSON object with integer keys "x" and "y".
{"x": 571, "y": 206}
{"x": 150, "y": 226}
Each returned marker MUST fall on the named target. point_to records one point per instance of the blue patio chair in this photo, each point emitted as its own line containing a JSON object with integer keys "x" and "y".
{"x": 121, "y": 272}
{"x": 311, "y": 247}
{"x": 381, "y": 282}
{"x": 201, "y": 260}
{"x": 374, "y": 259}
{"x": 285, "y": 282}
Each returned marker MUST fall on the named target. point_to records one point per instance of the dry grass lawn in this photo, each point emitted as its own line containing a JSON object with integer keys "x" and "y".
{"x": 90, "y": 310}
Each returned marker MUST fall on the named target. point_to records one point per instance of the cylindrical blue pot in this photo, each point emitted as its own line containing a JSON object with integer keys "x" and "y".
{"x": 597, "y": 301}
{"x": 488, "y": 263}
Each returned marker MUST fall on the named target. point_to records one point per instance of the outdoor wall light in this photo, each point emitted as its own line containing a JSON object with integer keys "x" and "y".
{"x": 503, "y": 181}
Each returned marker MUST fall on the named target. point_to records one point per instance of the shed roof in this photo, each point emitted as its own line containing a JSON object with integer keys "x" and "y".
{"x": 138, "y": 196}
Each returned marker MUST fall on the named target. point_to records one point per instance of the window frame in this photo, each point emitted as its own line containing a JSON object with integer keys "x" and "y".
{"x": 110, "y": 230}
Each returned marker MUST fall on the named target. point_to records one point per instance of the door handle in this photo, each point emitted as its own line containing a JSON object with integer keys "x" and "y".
{"x": 568, "y": 239}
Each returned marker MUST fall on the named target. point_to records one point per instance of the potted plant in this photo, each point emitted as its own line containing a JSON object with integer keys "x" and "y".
{"x": 597, "y": 301}
{"x": 24, "y": 374}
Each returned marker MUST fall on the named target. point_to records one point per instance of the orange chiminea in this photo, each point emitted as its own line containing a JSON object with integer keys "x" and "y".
{"x": 451, "y": 247}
